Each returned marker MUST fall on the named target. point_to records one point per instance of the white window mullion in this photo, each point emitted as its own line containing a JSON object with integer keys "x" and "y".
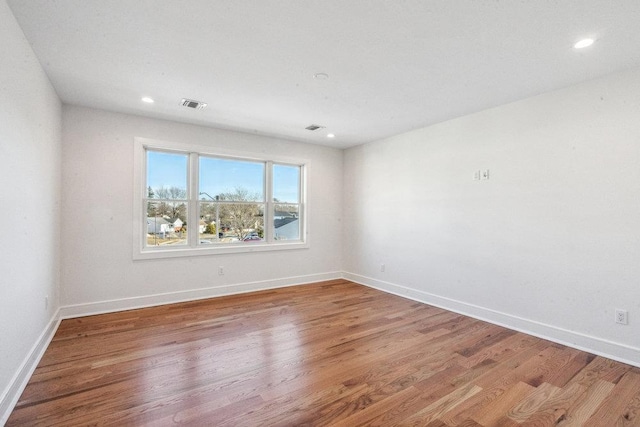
{"x": 268, "y": 206}
{"x": 302, "y": 206}
{"x": 194, "y": 212}
{"x": 141, "y": 220}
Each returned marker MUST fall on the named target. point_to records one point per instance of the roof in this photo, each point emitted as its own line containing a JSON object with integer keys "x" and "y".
{"x": 284, "y": 221}
{"x": 157, "y": 220}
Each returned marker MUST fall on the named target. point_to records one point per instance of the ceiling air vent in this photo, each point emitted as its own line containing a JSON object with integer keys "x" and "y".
{"x": 196, "y": 105}
{"x": 314, "y": 127}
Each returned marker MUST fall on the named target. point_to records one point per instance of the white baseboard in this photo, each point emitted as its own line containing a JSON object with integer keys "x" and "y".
{"x": 20, "y": 379}
{"x": 612, "y": 350}
{"x": 79, "y": 310}
{"x": 609, "y": 349}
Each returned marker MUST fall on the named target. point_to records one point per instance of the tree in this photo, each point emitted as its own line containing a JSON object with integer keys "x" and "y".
{"x": 170, "y": 193}
{"x": 151, "y": 207}
{"x": 172, "y": 204}
{"x": 211, "y": 228}
{"x": 288, "y": 209}
{"x": 208, "y": 211}
{"x": 245, "y": 216}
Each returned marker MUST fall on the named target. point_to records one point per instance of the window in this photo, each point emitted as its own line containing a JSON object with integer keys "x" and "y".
{"x": 166, "y": 198}
{"x": 236, "y": 211}
{"x": 286, "y": 202}
{"x": 190, "y": 201}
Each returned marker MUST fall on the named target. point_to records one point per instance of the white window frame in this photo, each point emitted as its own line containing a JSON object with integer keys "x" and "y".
{"x": 141, "y": 251}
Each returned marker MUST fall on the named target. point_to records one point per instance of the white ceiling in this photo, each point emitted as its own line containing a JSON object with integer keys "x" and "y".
{"x": 393, "y": 65}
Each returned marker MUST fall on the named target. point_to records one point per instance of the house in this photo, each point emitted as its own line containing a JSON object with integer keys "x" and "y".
{"x": 159, "y": 225}
{"x": 176, "y": 223}
{"x": 465, "y": 155}
{"x": 287, "y": 228}
{"x": 284, "y": 214}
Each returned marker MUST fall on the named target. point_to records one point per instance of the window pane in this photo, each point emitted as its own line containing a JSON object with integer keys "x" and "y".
{"x": 165, "y": 229}
{"x": 234, "y": 180}
{"x": 166, "y": 175}
{"x": 166, "y": 180}
{"x": 286, "y": 184}
{"x": 286, "y": 221}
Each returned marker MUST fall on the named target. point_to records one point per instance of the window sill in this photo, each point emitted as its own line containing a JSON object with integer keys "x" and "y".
{"x": 158, "y": 253}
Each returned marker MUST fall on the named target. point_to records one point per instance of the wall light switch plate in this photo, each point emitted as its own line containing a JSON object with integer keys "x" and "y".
{"x": 622, "y": 317}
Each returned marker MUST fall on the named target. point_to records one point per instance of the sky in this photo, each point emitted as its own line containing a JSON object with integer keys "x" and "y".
{"x": 219, "y": 176}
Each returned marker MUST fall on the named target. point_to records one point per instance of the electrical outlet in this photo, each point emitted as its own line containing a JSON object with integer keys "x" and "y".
{"x": 622, "y": 317}
{"x": 221, "y": 271}
{"x": 477, "y": 175}
{"x": 485, "y": 174}
{"x": 382, "y": 267}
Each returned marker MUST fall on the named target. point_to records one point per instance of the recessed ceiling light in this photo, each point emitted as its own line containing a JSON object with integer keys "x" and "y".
{"x": 583, "y": 43}
{"x": 330, "y": 135}
{"x": 147, "y": 100}
{"x": 321, "y": 76}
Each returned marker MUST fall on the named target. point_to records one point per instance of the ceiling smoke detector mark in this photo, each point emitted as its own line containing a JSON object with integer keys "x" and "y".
{"x": 190, "y": 103}
{"x": 314, "y": 127}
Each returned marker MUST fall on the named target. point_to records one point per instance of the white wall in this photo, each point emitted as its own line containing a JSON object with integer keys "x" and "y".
{"x": 30, "y": 118}
{"x": 98, "y": 208}
{"x": 550, "y": 244}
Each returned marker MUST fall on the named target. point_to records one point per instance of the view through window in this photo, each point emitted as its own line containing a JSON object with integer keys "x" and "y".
{"x": 196, "y": 200}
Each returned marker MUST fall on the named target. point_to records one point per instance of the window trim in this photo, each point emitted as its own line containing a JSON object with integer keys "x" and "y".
{"x": 140, "y": 252}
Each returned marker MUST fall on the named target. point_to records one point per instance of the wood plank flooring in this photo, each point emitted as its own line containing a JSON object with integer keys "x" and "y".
{"x": 327, "y": 354}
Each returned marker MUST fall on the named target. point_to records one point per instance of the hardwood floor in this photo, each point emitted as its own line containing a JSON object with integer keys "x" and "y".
{"x": 328, "y": 354}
